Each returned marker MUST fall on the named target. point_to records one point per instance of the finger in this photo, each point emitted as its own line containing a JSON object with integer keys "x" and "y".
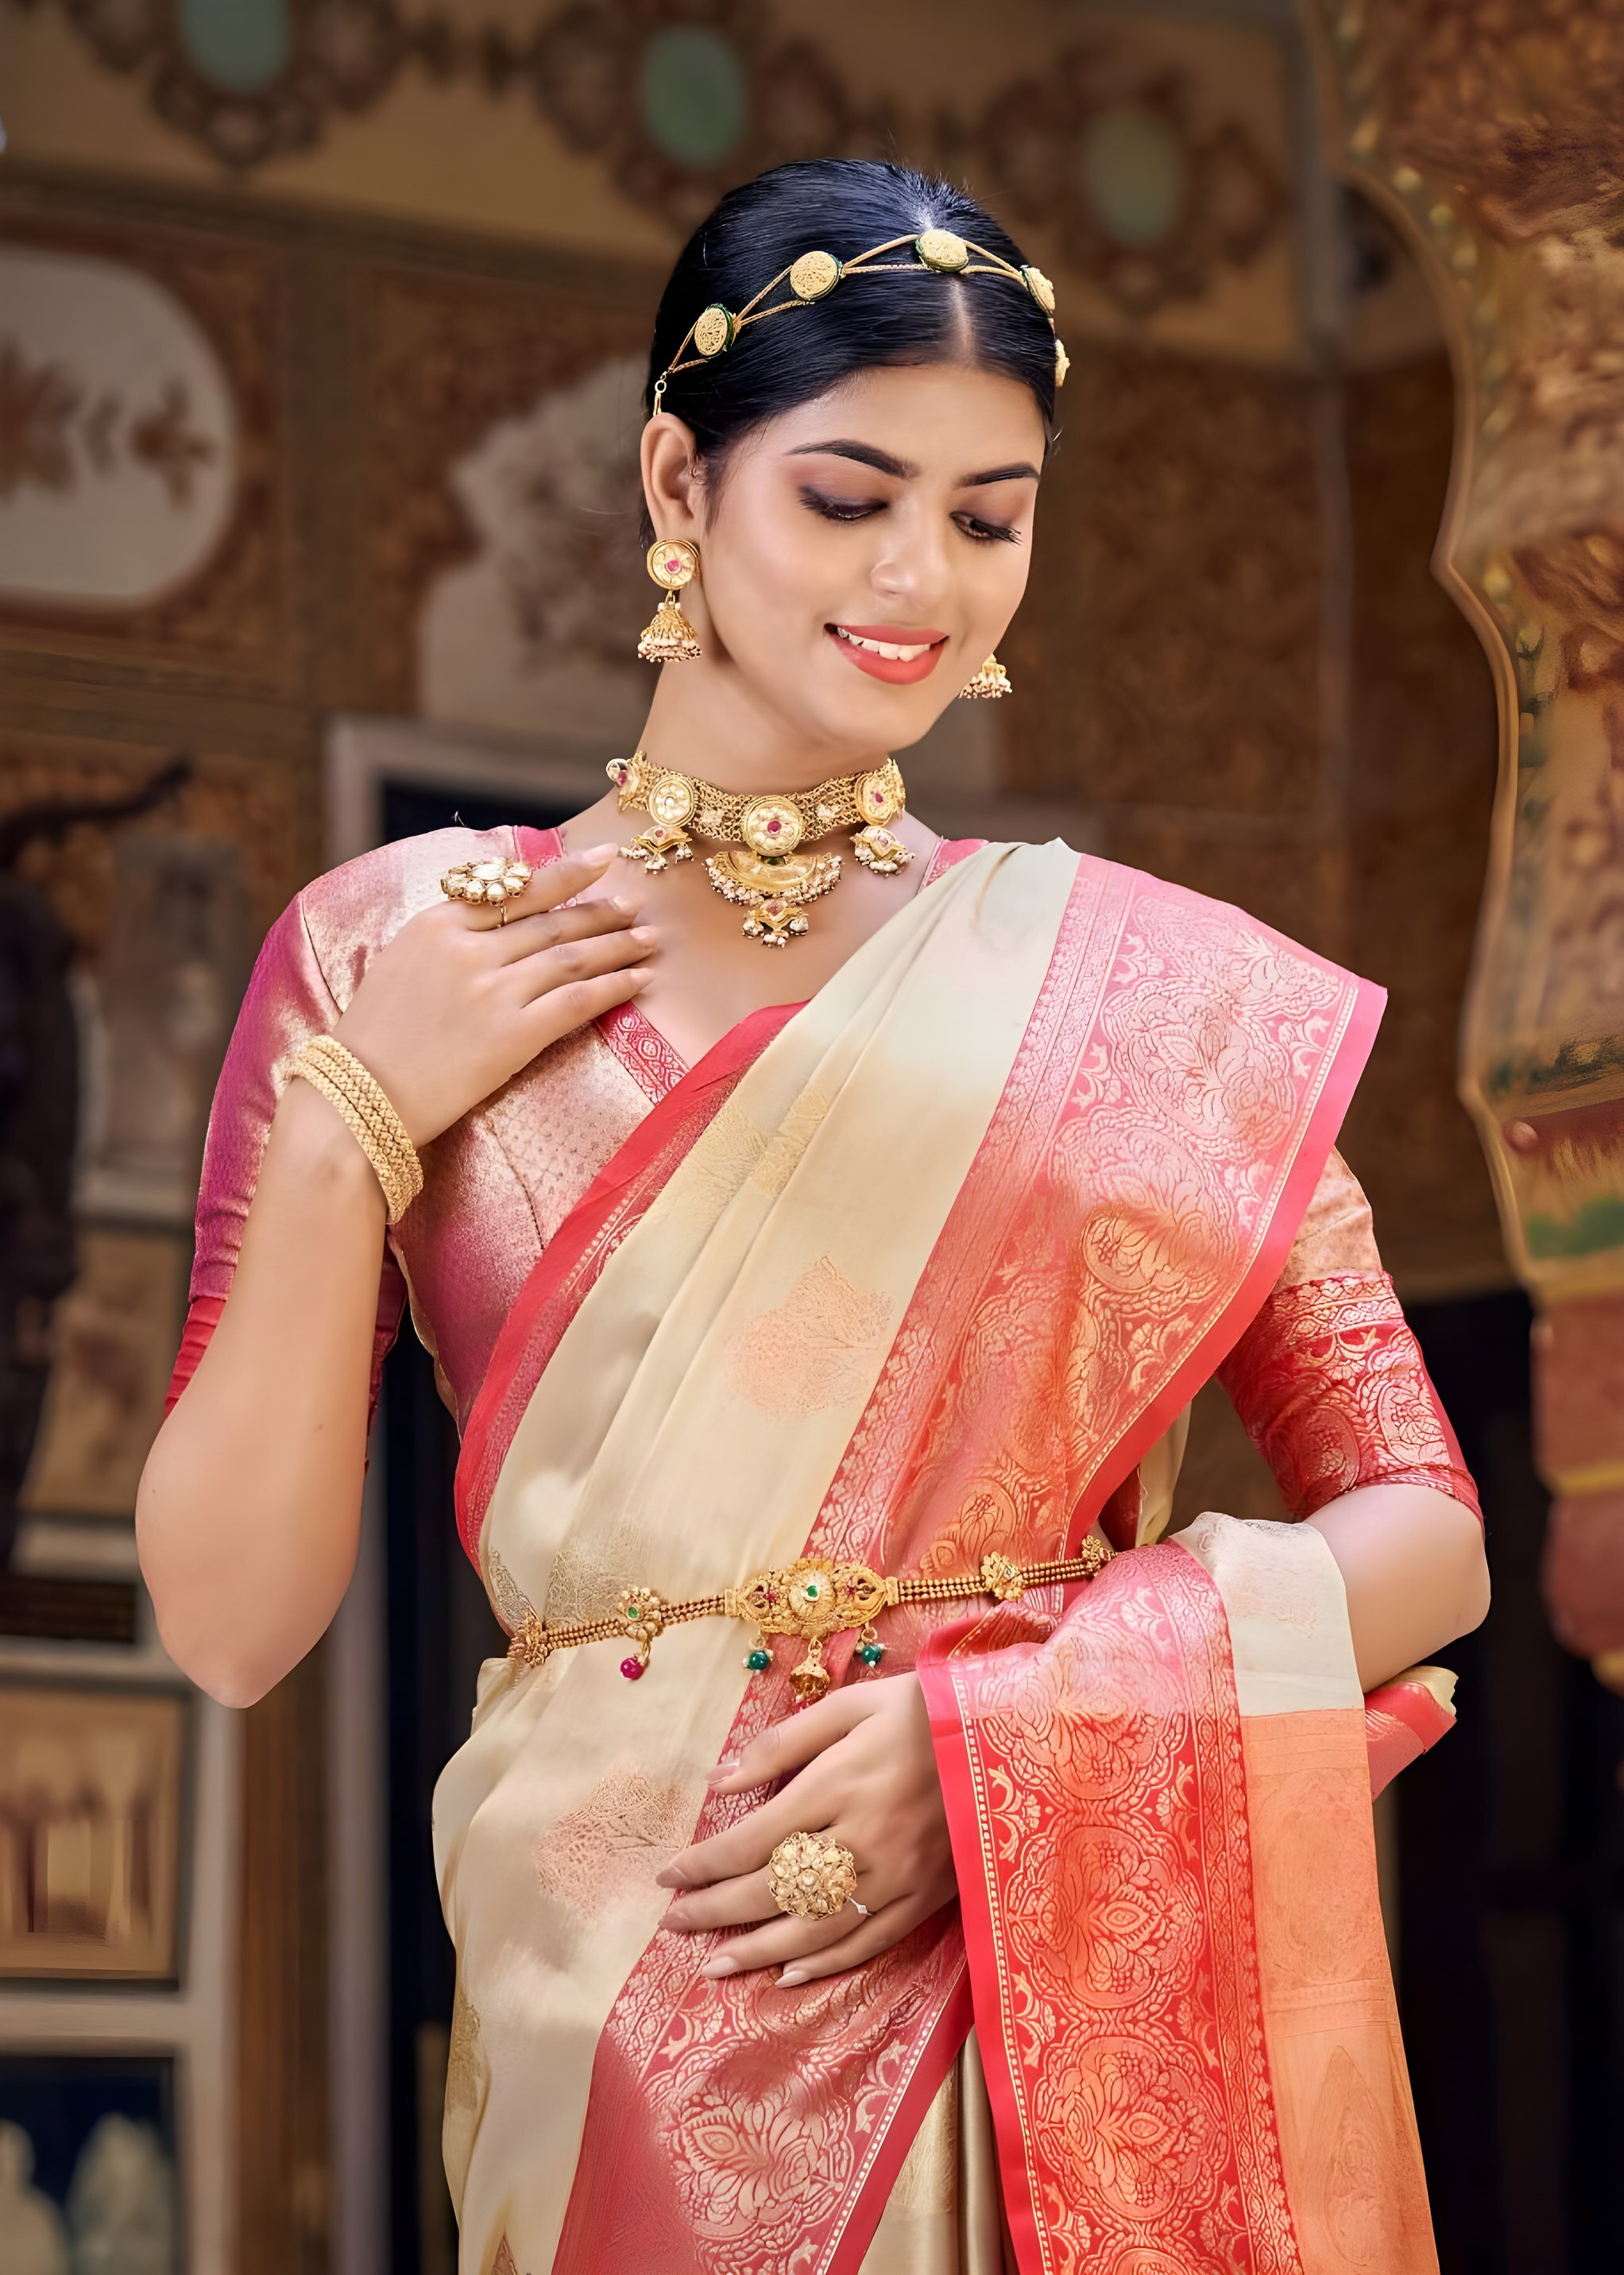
{"x": 866, "y": 1940}
{"x": 584, "y": 919}
{"x": 554, "y": 882}
{"x": 550, "y": 883}
{"x": 561, "y": 1010}
{"x": 746, "y": 1846}
{"x": 795, "y": 1740}
{"x": 575, "y": 960}
{"x": 784, "y": 1943}
{"x": 725, "y": 1903}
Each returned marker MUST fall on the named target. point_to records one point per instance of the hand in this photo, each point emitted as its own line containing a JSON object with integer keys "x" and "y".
{"x": 458, "y": 1001}
{"x": 866, "y": 1779}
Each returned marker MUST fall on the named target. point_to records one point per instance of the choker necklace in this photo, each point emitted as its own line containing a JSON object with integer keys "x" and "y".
{"x": 763, "y": 869}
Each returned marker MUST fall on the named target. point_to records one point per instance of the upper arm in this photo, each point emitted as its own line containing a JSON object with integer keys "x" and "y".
{"x": 1329, "y": 1379}
{"x": 288, "y": 1001}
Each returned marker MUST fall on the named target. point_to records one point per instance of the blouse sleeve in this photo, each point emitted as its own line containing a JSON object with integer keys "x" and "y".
{"x": 1329, "y": 1380}
{"x": 288, "y": 1001}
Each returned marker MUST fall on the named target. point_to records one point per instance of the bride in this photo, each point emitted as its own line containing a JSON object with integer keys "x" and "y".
{"x": 881, "y": 1848}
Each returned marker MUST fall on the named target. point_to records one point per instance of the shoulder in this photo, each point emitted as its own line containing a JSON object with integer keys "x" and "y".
{"x": 342, "y": 918}
{"x": 1194, "y": 932}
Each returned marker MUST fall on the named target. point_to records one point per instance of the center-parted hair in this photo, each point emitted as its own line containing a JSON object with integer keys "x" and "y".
{"x": 842, "y": 206}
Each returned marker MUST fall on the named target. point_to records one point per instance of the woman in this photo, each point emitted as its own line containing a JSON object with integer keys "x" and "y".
{"x": 830, "y": 1346}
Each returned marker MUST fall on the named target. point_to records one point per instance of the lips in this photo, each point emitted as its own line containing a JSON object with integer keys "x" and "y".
{"x": 899, "y": 654}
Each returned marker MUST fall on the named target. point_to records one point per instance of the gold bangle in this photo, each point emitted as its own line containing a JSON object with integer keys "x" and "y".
{"x": 328, "y": 1067}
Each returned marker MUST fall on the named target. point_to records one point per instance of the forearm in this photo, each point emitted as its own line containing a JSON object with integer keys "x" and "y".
{"x": 249, "y": 1509}
{"x": 1412, "y": 1562}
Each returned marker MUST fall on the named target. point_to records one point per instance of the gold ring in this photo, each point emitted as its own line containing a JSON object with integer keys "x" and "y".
{"x": 487, "y": 884}
{"x": 811, "y": 1879}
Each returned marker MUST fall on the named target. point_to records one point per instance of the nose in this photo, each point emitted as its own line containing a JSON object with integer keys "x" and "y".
{"x": 912, "y": 570}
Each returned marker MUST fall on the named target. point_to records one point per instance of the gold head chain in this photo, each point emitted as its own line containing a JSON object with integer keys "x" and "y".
{"x": 813, "y": 277}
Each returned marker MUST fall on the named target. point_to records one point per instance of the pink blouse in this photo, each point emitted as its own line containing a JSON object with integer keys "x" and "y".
{"x": 1328, "y": 1378}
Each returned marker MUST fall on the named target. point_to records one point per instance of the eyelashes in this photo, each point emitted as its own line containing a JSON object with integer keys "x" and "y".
{"x": 848, "y": 510}
{"x": 832, "y": 509}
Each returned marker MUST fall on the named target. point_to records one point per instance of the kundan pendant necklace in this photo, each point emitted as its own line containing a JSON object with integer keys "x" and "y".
{"x": 766, "y": 867}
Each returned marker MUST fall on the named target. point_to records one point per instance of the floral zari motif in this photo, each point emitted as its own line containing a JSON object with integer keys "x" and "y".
{"x": 1097, "y": 1778}
{"x": 1166, "y": 1118}
{"x": 1332, "y": 1388}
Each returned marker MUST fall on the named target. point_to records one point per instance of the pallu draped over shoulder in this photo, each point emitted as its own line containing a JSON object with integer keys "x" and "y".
{"x": 929, "y": 1269}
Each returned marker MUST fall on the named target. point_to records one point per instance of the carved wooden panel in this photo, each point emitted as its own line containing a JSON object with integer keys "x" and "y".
{"x": 1492, "y": 135}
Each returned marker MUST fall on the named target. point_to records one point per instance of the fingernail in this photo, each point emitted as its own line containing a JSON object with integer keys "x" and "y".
{"x": 601, "y": 854}
{"x": 724, "y": 1768}
{"x": 791, "y": 1976}
{"x": 642, "y": 933}
{"x": 626, "y": 906}
{"x": 674, "y": 1923}
{"x": 669, "y": 1879}
{"x": 714, "y": 1970}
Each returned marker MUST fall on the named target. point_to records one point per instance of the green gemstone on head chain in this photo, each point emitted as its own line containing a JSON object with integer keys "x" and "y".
{"x": 757, "y": 1660}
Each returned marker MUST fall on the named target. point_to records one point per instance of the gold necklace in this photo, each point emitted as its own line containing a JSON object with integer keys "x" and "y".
{"x": 765, "y": 869}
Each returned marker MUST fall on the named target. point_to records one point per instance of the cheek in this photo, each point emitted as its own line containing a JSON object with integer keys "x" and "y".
{"x": 777, "y": 558}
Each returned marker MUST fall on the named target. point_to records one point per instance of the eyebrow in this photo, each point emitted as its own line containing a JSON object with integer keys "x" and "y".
{"x": 1020, "y": 472}
{"x": 903, "y": 470}
{"x": 864, "y": 453}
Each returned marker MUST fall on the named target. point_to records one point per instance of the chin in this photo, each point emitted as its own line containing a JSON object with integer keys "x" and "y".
{"x": 873, "y": 716}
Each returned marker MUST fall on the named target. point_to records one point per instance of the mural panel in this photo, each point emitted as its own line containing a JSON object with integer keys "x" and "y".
{"x": 141, "y": 499}
{"x": 118, "y": 435}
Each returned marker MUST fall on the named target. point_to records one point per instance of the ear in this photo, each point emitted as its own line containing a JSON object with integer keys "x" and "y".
{"x": 672, "y": 485}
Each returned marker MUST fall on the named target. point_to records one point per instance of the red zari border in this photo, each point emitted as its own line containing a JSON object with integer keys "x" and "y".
{"x": 1096, "y": 1793}
{"x": 1331, "y": 1383}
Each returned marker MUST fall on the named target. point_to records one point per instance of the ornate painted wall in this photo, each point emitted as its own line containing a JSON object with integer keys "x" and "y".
{"x": 1494, "y": 136}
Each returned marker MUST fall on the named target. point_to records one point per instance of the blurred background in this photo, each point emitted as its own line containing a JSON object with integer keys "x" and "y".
{"x": 321, "y": 327}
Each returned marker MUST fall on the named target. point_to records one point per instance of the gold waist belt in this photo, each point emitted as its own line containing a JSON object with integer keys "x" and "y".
{"x": 808, "y": 1599}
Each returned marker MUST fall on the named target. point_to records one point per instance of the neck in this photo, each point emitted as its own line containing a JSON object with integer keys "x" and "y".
{"x": 706, "y": 721}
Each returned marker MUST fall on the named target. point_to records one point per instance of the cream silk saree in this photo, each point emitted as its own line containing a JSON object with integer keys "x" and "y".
{"x": 936, "y": 1275}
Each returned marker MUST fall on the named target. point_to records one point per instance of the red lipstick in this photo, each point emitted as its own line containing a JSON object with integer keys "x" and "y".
{"x": 861, "y": 645}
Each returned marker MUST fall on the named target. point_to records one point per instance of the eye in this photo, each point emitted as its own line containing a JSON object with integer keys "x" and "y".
{"x": 841, "y": 509}
{"x": 985, "y": 531}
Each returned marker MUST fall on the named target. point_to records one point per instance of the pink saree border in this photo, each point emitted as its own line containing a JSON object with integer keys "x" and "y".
{"x": 903, "y": 1469}
{"x": 1338, "y": 1079}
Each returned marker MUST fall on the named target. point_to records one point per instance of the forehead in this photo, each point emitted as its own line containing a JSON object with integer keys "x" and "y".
{"x": 950, "y": 417}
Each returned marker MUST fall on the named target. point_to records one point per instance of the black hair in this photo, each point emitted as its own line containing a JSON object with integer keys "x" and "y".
{"x": 842, "y": 205}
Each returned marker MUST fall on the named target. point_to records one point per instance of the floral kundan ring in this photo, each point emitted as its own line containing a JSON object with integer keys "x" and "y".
{"x": 811, "y": 1879}
{"x": 487, "y": 884}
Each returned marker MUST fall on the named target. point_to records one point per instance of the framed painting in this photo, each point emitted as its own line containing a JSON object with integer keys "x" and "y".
{"x": 92, "y": 1786}
{"x": 88, "y": 2162}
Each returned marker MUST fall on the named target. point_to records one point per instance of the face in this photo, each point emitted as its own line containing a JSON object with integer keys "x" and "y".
{"x": 864, "y": 553}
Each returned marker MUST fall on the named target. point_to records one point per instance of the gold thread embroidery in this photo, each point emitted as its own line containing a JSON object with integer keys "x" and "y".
{"x": 608, "y": 1850}
{"x": 787, "y": 1143}
{"x": 822, "y": 1347}
{"x": 720, "y": 1163}
{"x": 509, "y": 1601}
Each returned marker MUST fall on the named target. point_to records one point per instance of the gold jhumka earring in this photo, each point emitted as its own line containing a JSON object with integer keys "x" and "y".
{"x": 670, "y": 637}
{"x": 990, "y": 682}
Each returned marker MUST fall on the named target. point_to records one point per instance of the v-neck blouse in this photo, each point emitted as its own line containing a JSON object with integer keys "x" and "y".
{"x": 498, "y": 1184}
